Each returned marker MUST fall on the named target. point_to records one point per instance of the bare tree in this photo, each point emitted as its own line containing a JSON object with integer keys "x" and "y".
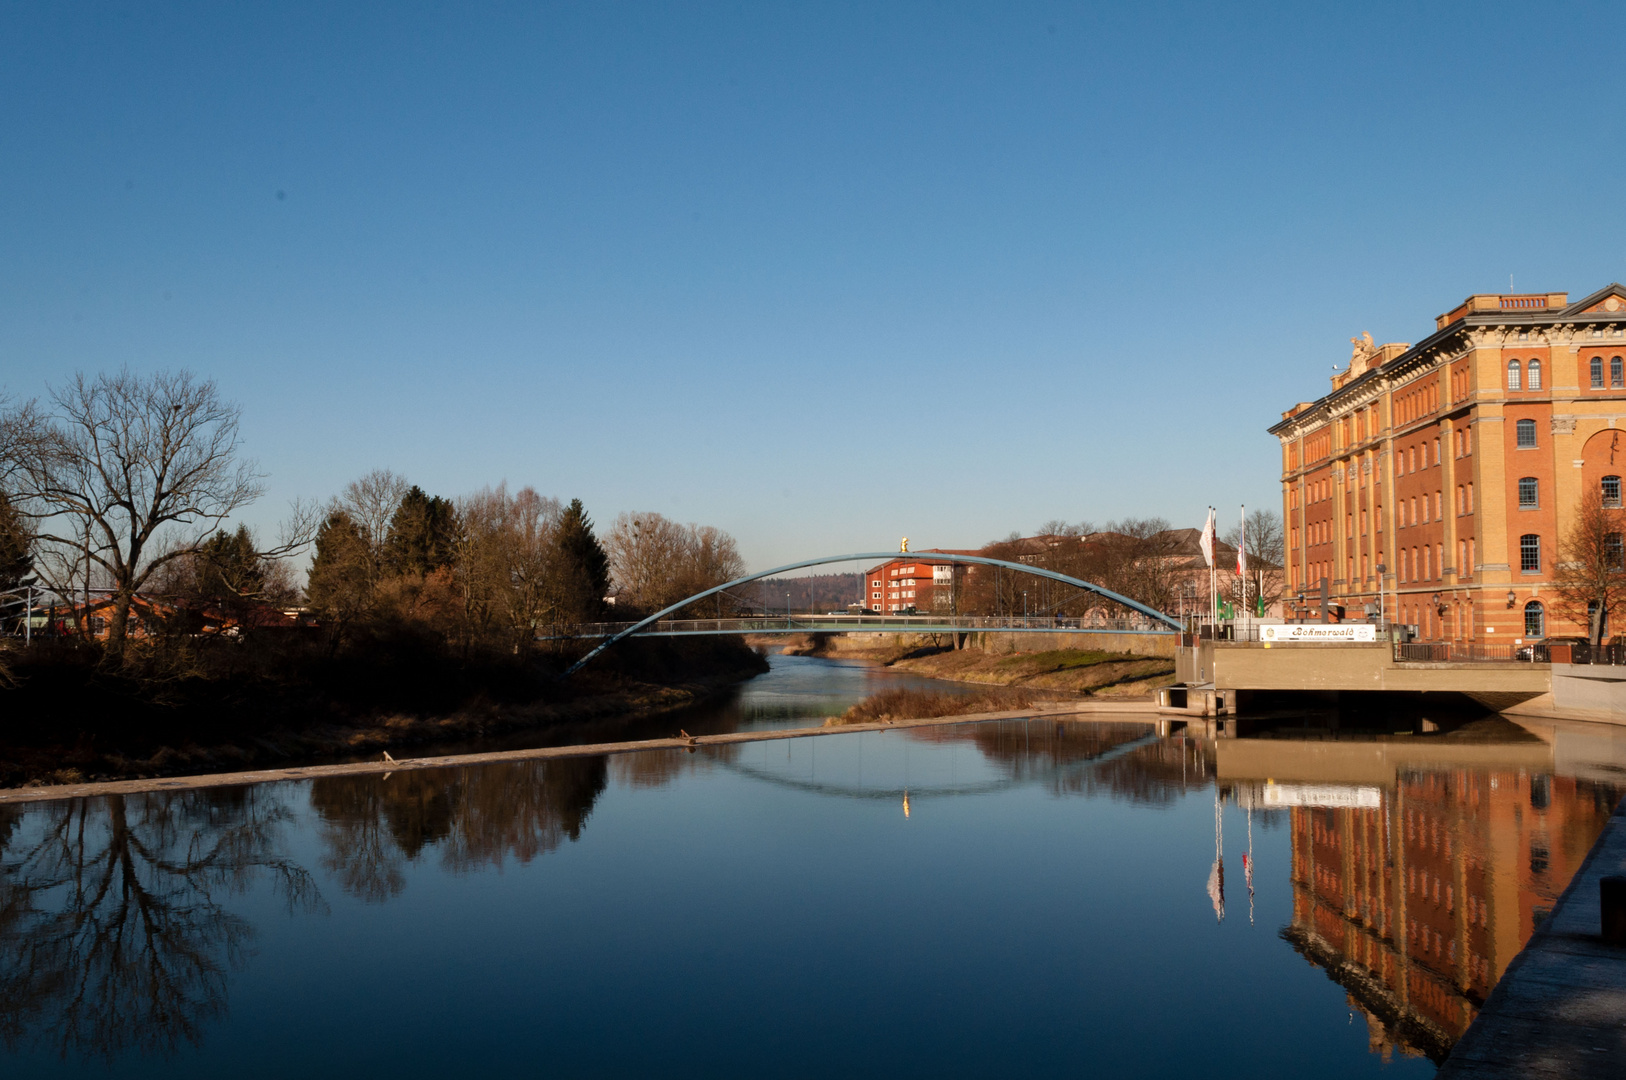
{"x": 656, "y": 562}
{"x": 370, "y": 503}
{"x": 1590, "y": 577}
{"x": 1265, "y": 551}
{"x": 132, "y": 473}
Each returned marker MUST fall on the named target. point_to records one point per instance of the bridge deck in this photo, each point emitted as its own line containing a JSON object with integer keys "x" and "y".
{"x": 875, "y": 624}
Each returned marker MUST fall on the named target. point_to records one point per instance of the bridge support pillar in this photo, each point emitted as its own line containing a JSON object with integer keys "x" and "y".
{"x": 1192, "y": 699}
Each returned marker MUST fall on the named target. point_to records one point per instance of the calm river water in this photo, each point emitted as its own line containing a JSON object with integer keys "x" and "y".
{"x": 1047, "y": 898}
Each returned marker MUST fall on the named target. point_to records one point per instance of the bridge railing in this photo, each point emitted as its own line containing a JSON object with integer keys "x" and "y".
{"x": 871, "y": 624}
{"x": 1461, "y": 652}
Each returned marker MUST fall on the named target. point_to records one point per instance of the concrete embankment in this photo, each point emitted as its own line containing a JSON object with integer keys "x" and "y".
{"x": 1129, "y": 710}
{"x": 1560, "y": 1008}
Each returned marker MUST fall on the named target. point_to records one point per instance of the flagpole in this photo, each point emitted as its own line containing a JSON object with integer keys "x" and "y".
{"x": 1213, "y": 584}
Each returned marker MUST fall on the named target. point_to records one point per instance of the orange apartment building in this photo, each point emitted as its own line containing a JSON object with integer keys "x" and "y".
{"x": 913, "y": 582}
{"x": 1443, "y": 475}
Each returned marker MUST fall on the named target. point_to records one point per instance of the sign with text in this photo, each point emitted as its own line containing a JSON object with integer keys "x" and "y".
{"x": 1334, "y": 632}
{"x": 1328, "y": 795}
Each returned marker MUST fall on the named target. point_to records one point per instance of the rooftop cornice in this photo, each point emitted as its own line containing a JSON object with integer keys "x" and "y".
{"x": 1570, "y": 316}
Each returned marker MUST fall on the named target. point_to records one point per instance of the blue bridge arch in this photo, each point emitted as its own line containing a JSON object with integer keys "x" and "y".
{"x": 885, "y": 556}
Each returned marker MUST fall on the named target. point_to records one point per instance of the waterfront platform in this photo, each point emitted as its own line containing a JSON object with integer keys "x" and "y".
{"x": 1560, "y": 1009}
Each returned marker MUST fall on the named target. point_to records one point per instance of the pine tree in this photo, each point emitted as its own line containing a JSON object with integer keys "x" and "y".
{"x": 340, "y": 586}
{"x": 580, "y": 569}
{"x": 421, "y": 534}
{"x": 16, "y": 548}
{"x": 228, "y": 568}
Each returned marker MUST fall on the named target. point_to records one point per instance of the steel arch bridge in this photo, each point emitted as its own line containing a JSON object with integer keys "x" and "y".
{"x": 1170, "y": 622}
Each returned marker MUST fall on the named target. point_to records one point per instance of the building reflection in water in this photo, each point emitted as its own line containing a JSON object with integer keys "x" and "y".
{"x": 1415, "y": 881}
{"x": 1418, "y": 868}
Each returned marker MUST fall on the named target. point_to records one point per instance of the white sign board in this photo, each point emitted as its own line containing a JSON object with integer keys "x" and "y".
{"x": 1337, "y": 632}
{"x": 1329, "y": 795}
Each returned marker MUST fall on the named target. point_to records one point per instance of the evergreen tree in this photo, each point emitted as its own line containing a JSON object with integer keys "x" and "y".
{"x": 340, "y": 587}
{"x": 421, "y": 534}
{"x": 16, "y": 547}
{"x": 228, "y": 568}
{"x": 580, "y": 569}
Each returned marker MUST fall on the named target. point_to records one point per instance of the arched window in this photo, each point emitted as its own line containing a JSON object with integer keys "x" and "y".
{"x": 1530, "y": 553}
{"x": 1512, "y": 374}
{"x": 1533, "y": 375}
{"x": 1528, "y": 493}
{"x": 1535, "y": 620}
{"x": 1525, "y": 434}
{"x": 1611, "y": 492}
{"x": 1617, "y": 373}
{"x": 1597, "y": 373}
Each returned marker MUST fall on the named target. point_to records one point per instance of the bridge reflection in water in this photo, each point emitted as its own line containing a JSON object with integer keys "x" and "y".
{"x": 1418, "y": 866}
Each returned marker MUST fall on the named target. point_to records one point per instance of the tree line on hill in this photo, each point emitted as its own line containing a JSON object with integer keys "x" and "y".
{"x": 121, "y": 489}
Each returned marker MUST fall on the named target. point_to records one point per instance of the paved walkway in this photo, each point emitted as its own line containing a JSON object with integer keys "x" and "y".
{"x": 1560, "y": 1010}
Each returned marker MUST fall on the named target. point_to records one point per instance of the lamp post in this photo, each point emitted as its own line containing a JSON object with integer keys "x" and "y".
{"x": 1382, "y": 569}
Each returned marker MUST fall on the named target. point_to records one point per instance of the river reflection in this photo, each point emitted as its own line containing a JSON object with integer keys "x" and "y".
{"x": 1020, "y": 895}
{"x": 114, "y": 939}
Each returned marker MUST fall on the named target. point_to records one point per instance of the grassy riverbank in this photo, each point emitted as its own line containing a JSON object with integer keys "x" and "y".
{"x": 69, "y": 718}
{"x": 912, "y": 704}
{"x": 1060, "y": 672}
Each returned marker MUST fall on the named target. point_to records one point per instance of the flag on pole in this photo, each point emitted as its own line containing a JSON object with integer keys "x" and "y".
{"x": 1241, "y": 546}
{"x": 1207, "y": 541}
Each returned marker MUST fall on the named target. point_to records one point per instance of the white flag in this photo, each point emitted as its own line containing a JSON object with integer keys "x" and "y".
{"x": 1207, "y": 541}
{"x": 1241, "y": 546}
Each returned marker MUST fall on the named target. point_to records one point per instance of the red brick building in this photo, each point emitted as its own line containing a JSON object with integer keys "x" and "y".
{"x": 1444, "y": 476}
{"x": 914, "y": 582}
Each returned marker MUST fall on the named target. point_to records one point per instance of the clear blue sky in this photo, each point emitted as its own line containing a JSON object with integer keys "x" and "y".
{"x": 822, "y": 275}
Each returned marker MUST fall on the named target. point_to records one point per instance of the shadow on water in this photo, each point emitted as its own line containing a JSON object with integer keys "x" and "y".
{"x": 1418, "y": 863}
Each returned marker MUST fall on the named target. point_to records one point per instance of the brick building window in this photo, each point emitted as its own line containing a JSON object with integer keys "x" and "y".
{"x": 1533, "y": 375}
{"x": 1597, "y": 373}
{"x": 1614, "y": 553}
{"x": 1525, "y": 434}
{"x": 1617, "y": 373}
{"x": 1535, "y": 620}
{"x": 1611, "y": 491}
{"x": 1512, "y": 374}
{"x": 1530, "y": 553}
{"x": 1528, "y": 493}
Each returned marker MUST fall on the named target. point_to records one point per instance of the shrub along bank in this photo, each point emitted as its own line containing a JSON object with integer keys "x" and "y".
{"x": 67, "y": 715}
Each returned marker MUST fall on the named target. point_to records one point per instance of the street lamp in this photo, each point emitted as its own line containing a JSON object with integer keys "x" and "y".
{"x": 1512, "y": 598}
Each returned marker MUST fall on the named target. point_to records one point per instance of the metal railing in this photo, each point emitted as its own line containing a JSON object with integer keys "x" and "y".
{"x": 1537, "y": 652}
{"x": 804, "y": 623}
{"x": 1460, "y": 652}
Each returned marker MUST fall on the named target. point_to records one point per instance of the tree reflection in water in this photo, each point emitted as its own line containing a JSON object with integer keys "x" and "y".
{"x": 113, "y": 937}
{"x": 372, "y": 826}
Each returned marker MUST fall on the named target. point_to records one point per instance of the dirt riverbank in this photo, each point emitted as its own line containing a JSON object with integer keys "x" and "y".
{"x": 116, "y": 731}
{"x": 1059, "y": 672}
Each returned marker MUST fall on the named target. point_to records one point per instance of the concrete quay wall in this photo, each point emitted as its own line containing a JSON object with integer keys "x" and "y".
{"x": 1346, "y": 666}
{"x": 1559, "y": 1010}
